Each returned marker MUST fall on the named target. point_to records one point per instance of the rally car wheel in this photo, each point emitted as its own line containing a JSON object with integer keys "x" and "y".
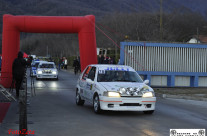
{"x": 148, "y": 112}
{"x": 79, "y": 101}
{"x": 96, "y": 104}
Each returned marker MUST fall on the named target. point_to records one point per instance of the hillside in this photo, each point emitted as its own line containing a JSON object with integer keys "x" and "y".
{"x": 101, "y": 9}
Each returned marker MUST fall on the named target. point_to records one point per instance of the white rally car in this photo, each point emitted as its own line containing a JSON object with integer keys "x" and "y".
{"x": 114, "y": 87}
{"x": 47, "y": 70}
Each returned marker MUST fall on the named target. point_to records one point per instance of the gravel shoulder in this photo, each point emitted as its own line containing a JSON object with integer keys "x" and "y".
{"x": 199, "y": 94}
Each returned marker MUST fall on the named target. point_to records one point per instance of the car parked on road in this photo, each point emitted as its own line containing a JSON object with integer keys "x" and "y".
{"x": 114, "y": 87}
{"x": 47, "y": 70}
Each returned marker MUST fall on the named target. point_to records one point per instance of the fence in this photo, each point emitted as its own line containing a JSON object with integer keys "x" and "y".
{"x": 167, "y": 64}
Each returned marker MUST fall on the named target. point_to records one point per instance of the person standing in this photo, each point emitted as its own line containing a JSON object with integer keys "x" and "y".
{"x": 79, "y": 64}
{"x": 59, "y": 63}
{"x": 112, "y": 60}
{"x": 66, "y": 63}
{"x": 76, "y": 65}
{"x": 99, "y": 59}
{"x": 106, "y": 60}
{"x": 29, "y": 61}
{"x": 62, "y": 63}
{"x": 18, "y": 71}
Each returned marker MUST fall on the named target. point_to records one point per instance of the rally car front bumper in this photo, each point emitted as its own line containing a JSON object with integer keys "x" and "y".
{"x": 127, "y": 103}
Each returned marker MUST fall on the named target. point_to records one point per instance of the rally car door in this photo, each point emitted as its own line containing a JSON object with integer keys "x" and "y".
{"x": 90, "y": 84}
{"x": 83, "y": 84}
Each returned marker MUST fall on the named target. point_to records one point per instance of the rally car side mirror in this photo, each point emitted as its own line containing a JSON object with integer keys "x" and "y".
{"x": 146, "y": 82}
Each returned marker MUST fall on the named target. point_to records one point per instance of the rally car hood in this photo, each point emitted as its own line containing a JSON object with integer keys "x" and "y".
{"x": 114, "y": 86}
{"x": 46, "y": 69}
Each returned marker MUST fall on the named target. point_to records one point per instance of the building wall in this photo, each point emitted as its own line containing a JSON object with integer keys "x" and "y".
{"x": 182, "y": 81}
{"x": 159, "y": 80}
{"x": 167, "y": 64}
{"x": 202, "y": 81}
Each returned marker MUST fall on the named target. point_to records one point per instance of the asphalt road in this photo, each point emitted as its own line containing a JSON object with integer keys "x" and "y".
{"x": 54, "y": 113}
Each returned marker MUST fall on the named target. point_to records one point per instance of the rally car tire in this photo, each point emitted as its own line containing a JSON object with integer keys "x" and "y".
{"x": 149, "y": 112}
{"x": 96, "y": 104}
{"x": 79, "y": 101}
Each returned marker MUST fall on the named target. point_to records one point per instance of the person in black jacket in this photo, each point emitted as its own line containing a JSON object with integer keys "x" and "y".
{"x": 100, "y": 59}
{"x": 76, "y": 65}
{"x": 106, "y": 60}
{"x": 18, "y": 71}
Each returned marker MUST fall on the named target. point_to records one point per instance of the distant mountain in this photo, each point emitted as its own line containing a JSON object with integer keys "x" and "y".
{"x": 99, "y": 8}
{"x": 199, "y": 6}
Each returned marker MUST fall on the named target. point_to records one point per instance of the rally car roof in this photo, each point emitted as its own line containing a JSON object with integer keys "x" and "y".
{"x": 109, "y": 66}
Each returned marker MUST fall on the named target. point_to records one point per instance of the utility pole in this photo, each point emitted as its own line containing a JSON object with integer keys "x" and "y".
{"x": 197, "y": 34}
{"x": 161, "y": 25}
{"x": 115, "y": 46}
{"x": 47, "y": 51}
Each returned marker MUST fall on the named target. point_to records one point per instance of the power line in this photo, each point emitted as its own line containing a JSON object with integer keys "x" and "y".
{"x": 119, "y": 47}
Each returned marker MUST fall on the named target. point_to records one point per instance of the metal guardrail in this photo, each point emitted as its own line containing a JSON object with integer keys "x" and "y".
{"x": 7, "y": 94}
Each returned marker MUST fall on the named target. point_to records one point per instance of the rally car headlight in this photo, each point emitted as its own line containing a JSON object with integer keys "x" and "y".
{"x": 130, "y": 89}
{"x": 136, "y": 89}
{"x": 147, "y": 94}
{"x": 39, "y": 72}
{"x": 122, "y": 90}
{"x": 144, "y": 89}
{"x": 113, "y": 94}
{"x": 54, "y": 72}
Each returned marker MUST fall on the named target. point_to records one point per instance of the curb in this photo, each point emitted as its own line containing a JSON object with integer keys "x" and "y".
{"x": 180, "y": 97}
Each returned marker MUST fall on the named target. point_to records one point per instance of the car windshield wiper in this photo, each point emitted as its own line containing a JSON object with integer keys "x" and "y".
{"x": 133, "y": 81}
{"x": 122, "y": 80}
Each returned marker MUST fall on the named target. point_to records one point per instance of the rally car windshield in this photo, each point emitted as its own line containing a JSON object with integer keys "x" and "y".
{"x": 35, "y": 64}
{"x": 47, "y": 66}
{"x": 118, "y": 76}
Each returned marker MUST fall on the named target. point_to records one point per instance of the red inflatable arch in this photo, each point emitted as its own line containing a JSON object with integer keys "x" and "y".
{"x": 13, "y": 25}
